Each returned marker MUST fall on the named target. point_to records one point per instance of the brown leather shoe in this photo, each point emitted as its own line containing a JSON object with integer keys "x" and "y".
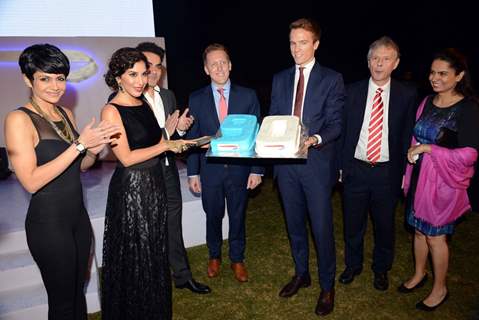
{"x": 292, "y": 287}
{"x": 325, "y": 303}
{"x": 239, "y": 270}
{"x": 214, "y": 267}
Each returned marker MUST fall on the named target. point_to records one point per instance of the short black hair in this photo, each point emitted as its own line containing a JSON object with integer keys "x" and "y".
{"x": 122, "y": 60}
{"x": 151, "y": 47}
{"x": 43, "y": 57}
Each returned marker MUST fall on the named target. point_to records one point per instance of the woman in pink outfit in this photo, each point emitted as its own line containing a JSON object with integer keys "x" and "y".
{"x": 442, "y": 157}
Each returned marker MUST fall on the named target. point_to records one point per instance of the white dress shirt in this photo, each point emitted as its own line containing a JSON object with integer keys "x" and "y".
{"x": 306, "y": 73}
{"x": 361, "y": 148}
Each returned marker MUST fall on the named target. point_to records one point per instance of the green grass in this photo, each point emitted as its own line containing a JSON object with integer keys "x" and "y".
{"x": 270, "y": 266}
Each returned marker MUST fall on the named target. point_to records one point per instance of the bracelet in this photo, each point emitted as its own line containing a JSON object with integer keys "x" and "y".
{"x": 91, "y": 154}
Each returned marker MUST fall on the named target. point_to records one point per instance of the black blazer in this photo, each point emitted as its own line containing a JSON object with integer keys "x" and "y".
{"x": 402, "y": 107}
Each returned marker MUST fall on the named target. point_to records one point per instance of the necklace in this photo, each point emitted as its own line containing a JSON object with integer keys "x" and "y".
{"x": 66, "y": 133}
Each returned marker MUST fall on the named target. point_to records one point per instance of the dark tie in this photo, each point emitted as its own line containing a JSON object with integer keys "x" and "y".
{"x": 375, "y": 128}
{"x": 299, "y": 94}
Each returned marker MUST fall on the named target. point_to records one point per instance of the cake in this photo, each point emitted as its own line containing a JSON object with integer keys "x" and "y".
{"x": 238, "y": 133}
{"x": 279, "y": 136}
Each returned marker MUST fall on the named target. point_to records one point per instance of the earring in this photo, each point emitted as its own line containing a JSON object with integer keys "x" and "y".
{"x": 121, "y": 88}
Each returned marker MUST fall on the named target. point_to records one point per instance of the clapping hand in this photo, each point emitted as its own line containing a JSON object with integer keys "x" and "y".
{"x": 96, "y": 138}
{"x": 185, "y": 121}
{"x": 172, "y": 122}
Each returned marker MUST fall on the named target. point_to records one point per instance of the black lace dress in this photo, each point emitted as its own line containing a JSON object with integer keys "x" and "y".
{"x": 136, "y": 281}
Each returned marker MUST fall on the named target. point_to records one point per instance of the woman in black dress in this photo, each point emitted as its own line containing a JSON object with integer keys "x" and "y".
{"x": 447, "y": 135}
{"x": 47, "y": 155}
{"x": 136, "y": 280}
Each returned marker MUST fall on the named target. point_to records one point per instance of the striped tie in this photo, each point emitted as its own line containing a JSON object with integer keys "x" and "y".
{"x": 375, "y": 129}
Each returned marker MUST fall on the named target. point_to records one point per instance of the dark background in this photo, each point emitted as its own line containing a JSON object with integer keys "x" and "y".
{"x": 256, "y": 34}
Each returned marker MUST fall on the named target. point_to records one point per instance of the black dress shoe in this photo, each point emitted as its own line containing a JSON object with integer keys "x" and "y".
{"x": 194, "y": 287}
{"x": 348, "y": 275}
{"x": 381, "y": 281}
{"x": 421, "y": 306}
{"x": 403, "y": 289}
{"x": 294, "y": 285}
{"x": 325, "y": 303}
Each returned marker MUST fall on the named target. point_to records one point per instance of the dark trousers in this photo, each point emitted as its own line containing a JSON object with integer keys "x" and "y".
{"x": 369, "y": 189}
{"x": 177, "y": 255}
{"x": 61, "y": 250}
{"x": 213, "y": 198}
{"x": 305, "y": 196}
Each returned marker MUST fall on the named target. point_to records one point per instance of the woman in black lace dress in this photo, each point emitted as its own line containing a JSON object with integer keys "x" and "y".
{"x": 47, "y": 155}
{"x": 136, "y": 280}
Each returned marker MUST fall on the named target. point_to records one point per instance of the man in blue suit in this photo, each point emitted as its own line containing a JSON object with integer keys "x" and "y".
{"x": 378, "y": 120}
{"x": 220, "y": 181}
{"x": 316, "y": 95}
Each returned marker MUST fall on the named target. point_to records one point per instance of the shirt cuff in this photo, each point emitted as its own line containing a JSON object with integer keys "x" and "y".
{"x": 181, "y": 133}
{"x": 194, "y": 176}
{"x": 319, "y": 139}
{"x": 257, "y": 174}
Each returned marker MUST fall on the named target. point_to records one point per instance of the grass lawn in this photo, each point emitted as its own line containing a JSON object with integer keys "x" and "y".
{"x": 270, "y": 267}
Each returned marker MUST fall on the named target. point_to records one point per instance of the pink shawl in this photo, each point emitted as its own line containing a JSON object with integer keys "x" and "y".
{"x": 441, "y": 191}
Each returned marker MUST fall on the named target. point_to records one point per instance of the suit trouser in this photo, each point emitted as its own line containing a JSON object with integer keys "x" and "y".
{"x": 213, "y": 198}
{"x": 366, "y": 189}
{"x": 177, "y": 255}
{"x": 304, "y": 195}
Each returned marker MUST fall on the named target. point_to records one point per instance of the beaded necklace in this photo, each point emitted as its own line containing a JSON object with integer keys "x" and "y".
{"x": 66, "y": 133}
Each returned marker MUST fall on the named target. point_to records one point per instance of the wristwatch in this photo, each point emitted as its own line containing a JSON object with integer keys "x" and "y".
{"x": 80, "y": 148}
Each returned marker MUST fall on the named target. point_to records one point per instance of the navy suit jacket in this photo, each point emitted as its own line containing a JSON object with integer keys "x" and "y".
{"x": 202, "y": 107}
{"x": 322, "y": 114}
{"x": 402, "y": 107}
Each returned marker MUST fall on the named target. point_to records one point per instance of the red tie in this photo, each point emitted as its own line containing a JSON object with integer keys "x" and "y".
{"x": 223, "y": 107}
{"x": 375, "y": 129}
{"x": 299, "y": 94}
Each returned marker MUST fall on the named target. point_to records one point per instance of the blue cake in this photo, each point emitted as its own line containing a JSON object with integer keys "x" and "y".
{"x": 238, "y": 133}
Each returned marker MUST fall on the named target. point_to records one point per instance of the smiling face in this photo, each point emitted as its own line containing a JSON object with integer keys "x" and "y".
{"x": 155, "y": 68}
{"x": 134, "y": 80}
{"x": 47, "y": 87}
{"x": 382, "y": 61}
{"x": 442, "y": 77}
{"x": 303, "y": 45}
{"x": 218, "y": 67}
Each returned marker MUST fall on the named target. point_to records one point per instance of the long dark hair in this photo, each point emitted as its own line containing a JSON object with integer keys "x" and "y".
{"x": 458, "y": 62}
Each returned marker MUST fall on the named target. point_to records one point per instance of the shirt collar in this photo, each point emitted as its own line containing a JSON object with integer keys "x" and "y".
{"x": 375, "y": 87}
{"x": 155, "y": 89}
{"x": 226, "y": 87}
{"x": 308, "y": 66}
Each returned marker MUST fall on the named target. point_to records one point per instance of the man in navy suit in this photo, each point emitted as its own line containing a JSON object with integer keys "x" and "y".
{"x": 378, "y": 119}
{"x": 220, "y": 181}
{"x": 316, "y": 95}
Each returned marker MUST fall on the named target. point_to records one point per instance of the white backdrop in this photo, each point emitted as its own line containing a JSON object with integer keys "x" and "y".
{"x": 63, "y": 18}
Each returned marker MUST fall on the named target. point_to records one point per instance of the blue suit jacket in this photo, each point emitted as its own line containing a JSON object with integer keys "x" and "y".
{"x": 202, "y": 108}
{"x": 402, "y": 109}
{"x": 322, "y": 114}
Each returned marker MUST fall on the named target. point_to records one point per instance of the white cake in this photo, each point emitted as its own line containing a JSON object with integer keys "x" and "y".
{"x": 279, "y": 136}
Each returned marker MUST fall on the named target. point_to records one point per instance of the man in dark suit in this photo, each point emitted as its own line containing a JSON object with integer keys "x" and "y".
{"x": 163, "y": 103}
{"x": 378, "y": 119}
{"x": 316, "y": 95}
{"x": 220, "y": 181}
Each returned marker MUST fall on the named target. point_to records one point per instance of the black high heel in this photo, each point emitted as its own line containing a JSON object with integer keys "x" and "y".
{"x": 421, "y": 306}
{"x": 403, "y": 289}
